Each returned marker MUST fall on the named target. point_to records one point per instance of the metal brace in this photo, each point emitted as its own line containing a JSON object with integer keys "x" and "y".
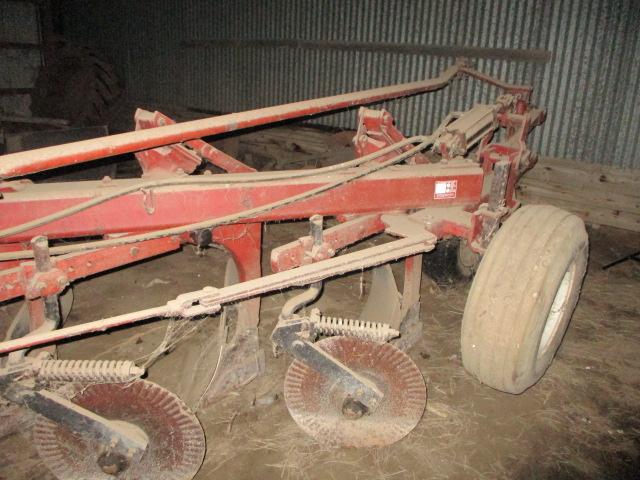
{"x": 127, "y": 445}
{"x": 294, "y": 332}
{"x": 293, "y": 335}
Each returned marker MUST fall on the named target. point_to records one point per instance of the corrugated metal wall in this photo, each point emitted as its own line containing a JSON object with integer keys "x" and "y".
{"x": 20, "y": 55}
{"x": 203, "y": 54}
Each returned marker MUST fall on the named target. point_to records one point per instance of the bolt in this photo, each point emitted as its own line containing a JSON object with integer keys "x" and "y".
{"x": 353, "y": 409}
{"x": 112, "y": 463}
{"x": 134, "y": 251}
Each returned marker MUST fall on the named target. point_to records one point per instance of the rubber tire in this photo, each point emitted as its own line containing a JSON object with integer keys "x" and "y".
{"x": 77, "y": 85}
{"x": 452, "y": 260}
{"x": 467, "y": 261}
{"x": 512, "y": 294}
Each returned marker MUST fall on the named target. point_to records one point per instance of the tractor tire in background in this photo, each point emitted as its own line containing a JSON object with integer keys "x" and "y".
{"x": 452, "y": 260}
{"x": 75, "y": 84}
{"x": 523, "y": 296}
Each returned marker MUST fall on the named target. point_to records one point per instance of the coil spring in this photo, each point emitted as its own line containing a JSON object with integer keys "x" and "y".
{"x": 90, "y": 371}
{"x": 372, "y": 331}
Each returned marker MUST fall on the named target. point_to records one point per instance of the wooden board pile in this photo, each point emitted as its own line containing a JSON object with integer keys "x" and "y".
{"x": 599, "y": 194}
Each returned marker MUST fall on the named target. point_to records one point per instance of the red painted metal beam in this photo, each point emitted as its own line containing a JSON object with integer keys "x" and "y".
{"x": 24, "y": 163}
{"x": 15, "y": 282}
{"x": 173, "y": 156}
{"x": 397, "y": 188}
{"x": 300, "y": 251}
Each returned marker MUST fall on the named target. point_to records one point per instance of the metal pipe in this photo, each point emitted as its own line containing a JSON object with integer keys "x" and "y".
{"x": 213, "y": 298}
{"x": 294, "y": 304}
{"x": 508, "y": 54}
{"x": 24, "y": 163}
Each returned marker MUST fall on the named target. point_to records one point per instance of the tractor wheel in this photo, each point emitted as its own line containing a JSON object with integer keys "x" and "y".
{"x": 450, "y": 261}
{"x": 523, "y": 296}
{"x": 467, "y": 261}
{"x": 76, "y": 85}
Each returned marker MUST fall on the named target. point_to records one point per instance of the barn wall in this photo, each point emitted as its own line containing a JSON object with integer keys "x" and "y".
{"x": 20, "y": 55}
{"x": 583, "y": 58}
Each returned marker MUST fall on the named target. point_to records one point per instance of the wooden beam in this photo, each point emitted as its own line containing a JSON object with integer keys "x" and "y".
{"x": 599, "y": 194}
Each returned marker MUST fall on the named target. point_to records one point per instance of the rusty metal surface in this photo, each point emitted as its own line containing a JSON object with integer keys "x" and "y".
{"x": 176, "y": 440}
{"x": 240, "y": 361}
{"x": 316, "y": 404}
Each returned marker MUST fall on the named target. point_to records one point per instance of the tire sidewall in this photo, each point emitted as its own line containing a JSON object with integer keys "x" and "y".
{"x": 578, "y": 261}
{"x": 557, "y": 256}
{"x": 512, "y": 294}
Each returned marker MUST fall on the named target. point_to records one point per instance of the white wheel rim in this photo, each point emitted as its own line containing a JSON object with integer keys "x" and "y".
{"x": 557, "y": 311}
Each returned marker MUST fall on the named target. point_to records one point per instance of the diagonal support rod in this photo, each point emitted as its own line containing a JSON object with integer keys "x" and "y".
{"x": 209, "y": 299}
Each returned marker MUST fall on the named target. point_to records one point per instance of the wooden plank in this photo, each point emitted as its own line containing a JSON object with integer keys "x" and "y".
{"x": 569, "y": 172}
{"x": 598, "y": 194}
{"x": 586, "y": 193}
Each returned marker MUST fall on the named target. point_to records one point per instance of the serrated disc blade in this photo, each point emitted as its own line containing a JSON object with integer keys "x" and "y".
{"x": 315, "y": 401}
{"x": 176, "y": 440}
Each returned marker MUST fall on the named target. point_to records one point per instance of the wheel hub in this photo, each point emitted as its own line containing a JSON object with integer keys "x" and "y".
{"x": 353, "y": 409}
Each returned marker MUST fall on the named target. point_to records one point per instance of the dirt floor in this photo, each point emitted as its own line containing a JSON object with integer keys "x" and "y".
{"x": 582, "y": 420}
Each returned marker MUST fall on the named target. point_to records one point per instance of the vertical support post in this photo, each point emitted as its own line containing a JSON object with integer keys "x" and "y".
{"x": 313, "y": 292}
{"x": 240, "y": 358}
{"x": 411, "y": 325}
{"x": 315, "y": 230}
{"x": 412, "y": 278}
{"x": 244, "y": 243}
{"x": 44, "y": 312}
{"x": 499, "y": 185}
{"x": 497, "y": 200}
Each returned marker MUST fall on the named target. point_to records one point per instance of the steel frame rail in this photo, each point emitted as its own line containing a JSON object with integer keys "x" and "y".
{"x": 24, "y": 163}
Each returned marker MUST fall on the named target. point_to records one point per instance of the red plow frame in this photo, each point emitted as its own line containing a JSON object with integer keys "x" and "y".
{"x": 141, "y": 218}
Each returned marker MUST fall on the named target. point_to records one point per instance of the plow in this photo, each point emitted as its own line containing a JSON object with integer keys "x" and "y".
{"x": 352, "y": 382}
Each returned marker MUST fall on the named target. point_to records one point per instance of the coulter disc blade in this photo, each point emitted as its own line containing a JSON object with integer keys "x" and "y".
{"x": 316, "y": 402}
{"x": 176, "y": 440}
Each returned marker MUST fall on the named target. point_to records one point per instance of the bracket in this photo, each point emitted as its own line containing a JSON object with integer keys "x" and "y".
{"x": 129, "y": 444}
{"x": 291, "y": 335}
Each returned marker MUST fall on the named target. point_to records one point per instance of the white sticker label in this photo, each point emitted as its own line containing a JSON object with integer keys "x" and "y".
{"x": 446, "y": 189}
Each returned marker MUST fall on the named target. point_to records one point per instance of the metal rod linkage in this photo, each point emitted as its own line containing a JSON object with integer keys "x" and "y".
{"x": 210, "y": 299}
